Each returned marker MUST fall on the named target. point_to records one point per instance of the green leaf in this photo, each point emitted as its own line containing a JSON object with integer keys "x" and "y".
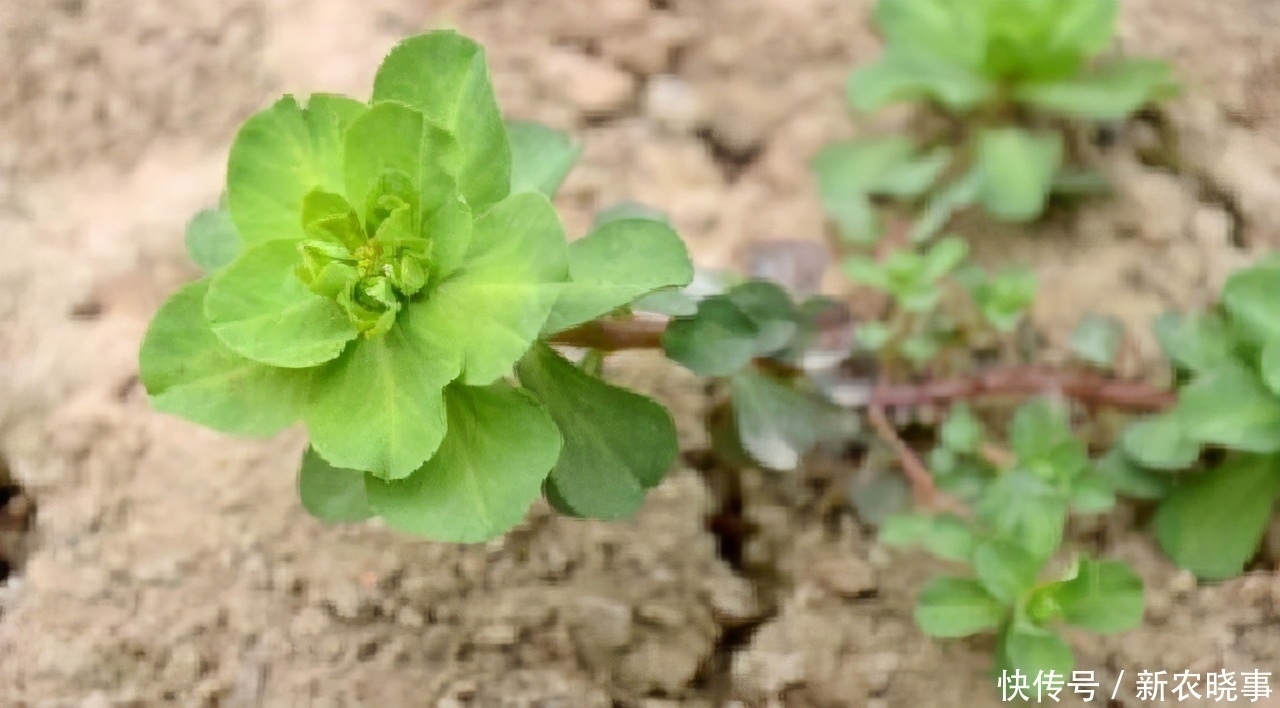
{"x": 1005, "y": 298}
{"x": 920, "y": 349}
{"x": 670, "y": 302}
{"x": 879, "y": 496}
{"x": 939, "y": 29}
{"x": 945, "y": 202}
{"x": 1034, "y": 650}
{"x": 280, "y": 155}
{"x": 212, "y": 239}
{"x": 950, "y": 538}
{"x": 1080, "y": 182}
{"x": 1198, "y": 342}
{"x": 1005, "y": 569}
{"x": 913, "y": 177}
{"x": 493, "y": 308}
{"x": 1250, "y": 297}
{"x": 1038, "y": 427}
{"x": 850, "y": 172}
{"x": 1083, "y": 27}
{"x": 943, "y": 257}
{"x": 1104, "y": 597}
{"x": 486, "y": 474}
{"x": 945, "y": 536}
{"x": 378, "y": 408}
{"x": 873, "y": 335}
{"x": 962, "y": 432}
{"x": 1117, "y": 471}
{"x": 1017, "y": 171}
{"x": 331, "y": 219}
{"x": 616, "y": 264}
{"x": 260, "y": 309}
{"x": 541, "y": 157}
{"x": 768, "y": 305}
{"x": 778, "y": 423}
{"x": 1096, "y": 339}
{"x": 886, "y": 165}
{"x": 1040, "y": 606}
{"x": 617, "y": 444}
{"x": 333, "y": 495}
{"x": 1213, "y": 524}
{"x": 957, "y": 607}
{"x": 449, "y": 231}
{"x": 1270, "y": 365}
{"x": 865, "y": 270}
{"x": 1230, "y": 406}
{"x": 1159, "y": 443}
{"x": 896, "y": 79}
{"x": 718, "y": 341}
{"x": 443, "y": 75}
{"x": 1112, "y": 93}
{"x": 964, "y": 478}
{"x": 628, "y": 210}
{"x": 1020, "y": 505}
{"x": 391, "y": 143}
{"x": 1092, "y": 494}
{"x": 904, "y": 529}
{"x": 847, "y": 173}
{"x": 189, "y": 373}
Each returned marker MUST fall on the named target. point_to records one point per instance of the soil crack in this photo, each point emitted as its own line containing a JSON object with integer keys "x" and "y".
{"x": 17, "y": 518}
{"x": 727, "y": 522}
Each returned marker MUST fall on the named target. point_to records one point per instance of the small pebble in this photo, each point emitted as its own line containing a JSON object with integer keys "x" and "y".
{"x": 673, "y": 104}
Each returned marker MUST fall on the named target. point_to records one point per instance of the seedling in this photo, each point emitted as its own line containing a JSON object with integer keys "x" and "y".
{"x": 942, "y": 307}
{"x": 1012, "y": 81}
{"x": 388, "y": 273}
{"x": 1021, "y": 499}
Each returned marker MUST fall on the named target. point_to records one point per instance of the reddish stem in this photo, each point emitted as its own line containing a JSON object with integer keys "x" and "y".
{"x": 1089, "y": 388}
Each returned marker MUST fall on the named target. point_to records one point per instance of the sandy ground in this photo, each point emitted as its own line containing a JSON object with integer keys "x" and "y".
{"x": 173, "y": 566}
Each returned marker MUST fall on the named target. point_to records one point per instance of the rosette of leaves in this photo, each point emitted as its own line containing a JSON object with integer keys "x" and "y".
{"x": 1021, "y": 511}
{"x": 1227, "y": 362}
{"x": 999, "y": 67}
{"x": 380, "y": 271}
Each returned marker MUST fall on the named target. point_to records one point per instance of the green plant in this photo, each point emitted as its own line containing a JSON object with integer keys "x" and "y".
{"x": 942, "y": 307}
{"x": 751, "y": 340}
{"x": 389, "y": 272}
{"x": 392, "y": 274}
{"x": 1021, "y": 500}
{"x": 1011, "y": 80}
{"x": 1227, "y": 365}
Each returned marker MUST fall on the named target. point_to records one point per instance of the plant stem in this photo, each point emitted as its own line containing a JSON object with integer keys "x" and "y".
{"x": 614, "y": 335}
{"x": 922, "y": 486}
{"x": 1028, "y": 381}
{"x": 1089, "y": 388}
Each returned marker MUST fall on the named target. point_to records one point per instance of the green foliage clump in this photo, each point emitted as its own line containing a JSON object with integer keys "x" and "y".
{"x": 941, "y": 305}
{"x": 1227, "y": 363}
{"x": 1021, "y": 507}
{"x": 776, "y": 414}
{"x": 381, "y": 271}
{"x": 1012, "y": 79}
